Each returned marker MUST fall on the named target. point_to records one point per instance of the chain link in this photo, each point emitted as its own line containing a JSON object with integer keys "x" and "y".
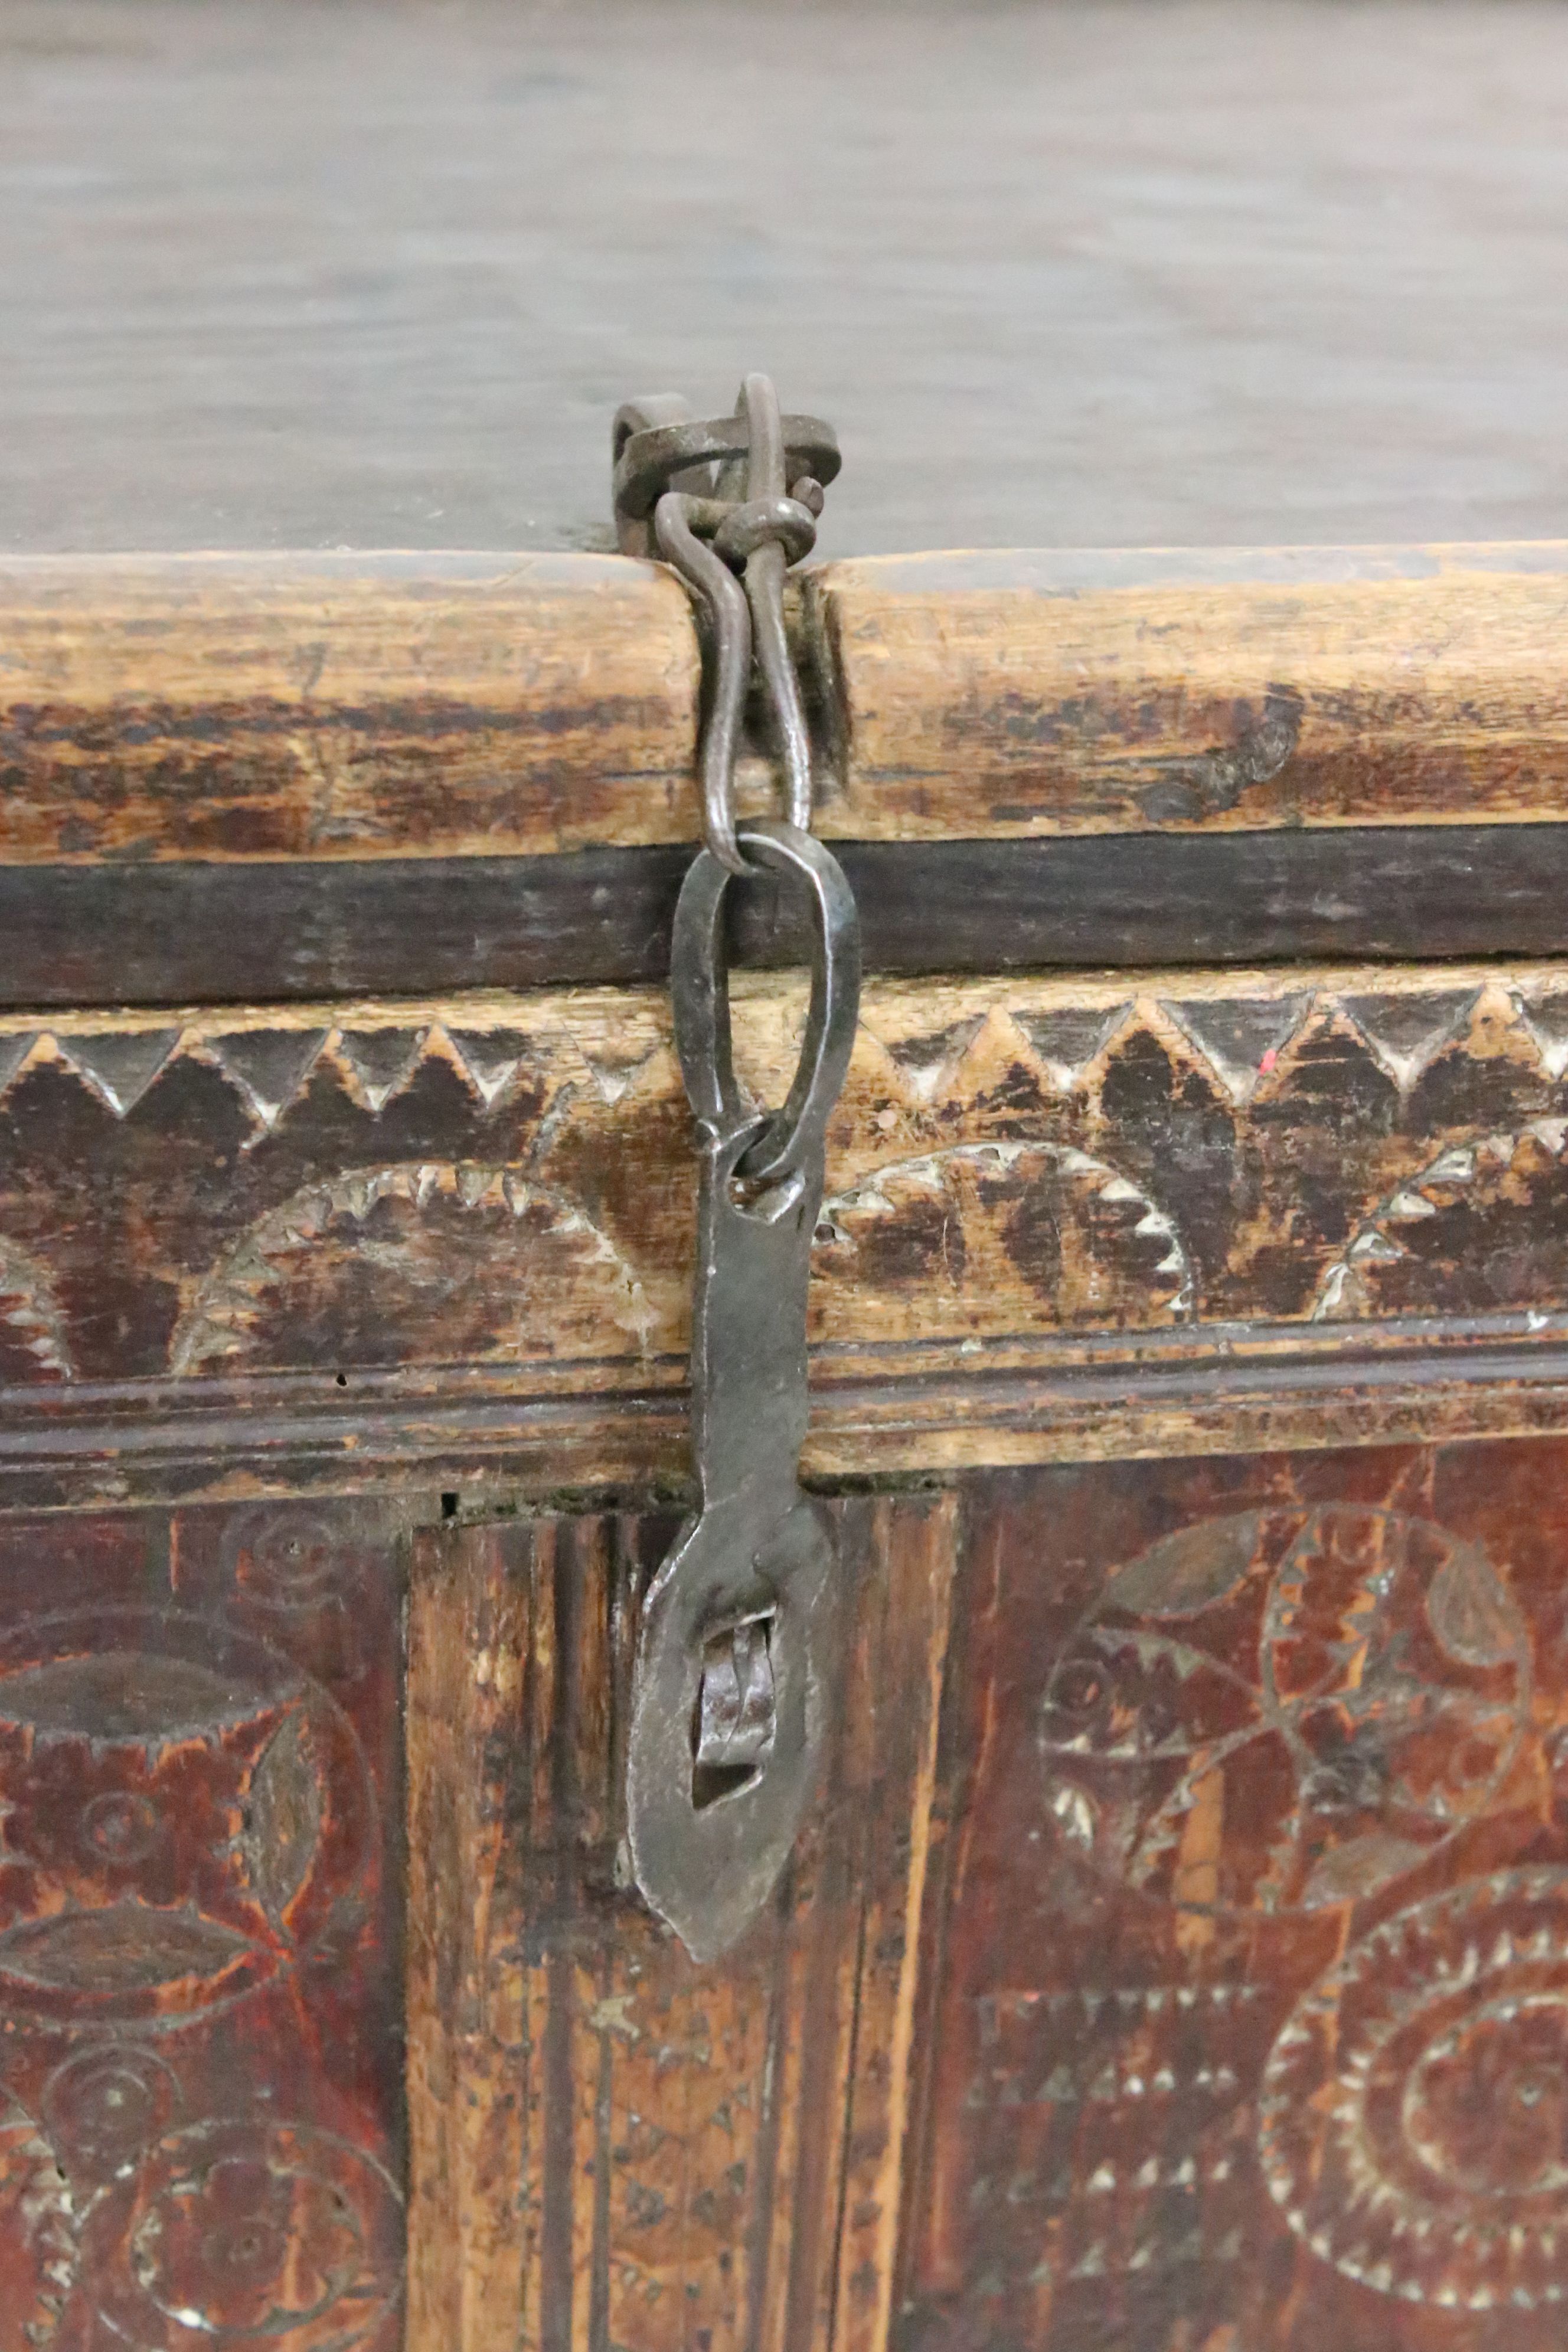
{"x": 731, "y": 503}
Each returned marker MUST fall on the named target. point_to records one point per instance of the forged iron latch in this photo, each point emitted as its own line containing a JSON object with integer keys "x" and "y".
{"x": 728, "y": 1690}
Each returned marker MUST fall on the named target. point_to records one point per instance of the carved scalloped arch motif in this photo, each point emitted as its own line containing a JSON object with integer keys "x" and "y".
{"x": 925, "y": 1237}
{"x": 1488, "y": 1216}
{"x": 354, "y": 1269}
{"x": 33, "y": 1342}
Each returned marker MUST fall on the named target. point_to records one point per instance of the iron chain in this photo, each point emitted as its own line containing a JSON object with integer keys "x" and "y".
{"x": 731, "y": 503}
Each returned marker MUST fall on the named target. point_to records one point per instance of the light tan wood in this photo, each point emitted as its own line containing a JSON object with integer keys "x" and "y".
{"x": 609, "y": 2145}
{"x": 355, "y": 706}
{"x": 1023, "y": 693}
{"x": 469, "y": 705}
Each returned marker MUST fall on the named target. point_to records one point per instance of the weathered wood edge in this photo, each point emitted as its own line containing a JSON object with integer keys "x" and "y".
{"x": 455, "y": 706}
{"x": 1023, "y": 693}
{"x": 528, "y": 1439}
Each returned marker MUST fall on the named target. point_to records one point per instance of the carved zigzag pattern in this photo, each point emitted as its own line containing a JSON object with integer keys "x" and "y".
{"x": 270, "y": 1065}
{"x": 1245, "y": 1040}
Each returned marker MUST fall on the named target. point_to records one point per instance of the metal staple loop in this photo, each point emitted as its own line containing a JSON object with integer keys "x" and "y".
{"x": 717, "y": 499}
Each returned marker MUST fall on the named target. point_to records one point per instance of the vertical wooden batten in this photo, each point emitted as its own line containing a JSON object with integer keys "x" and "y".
{"x": 610, "y": 2146}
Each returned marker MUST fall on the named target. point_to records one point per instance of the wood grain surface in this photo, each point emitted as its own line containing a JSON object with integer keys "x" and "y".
{"x": 321, "y": 707}
{"x": 1019, "y": 693}
{"x": 201, "y": 2125}
{"x": 353, "y": 1242}
{"x": 325, "y": 706}
{"x": 240, "y": 932}
{"x": 1174, "y": 1955}
{"x": 1245, "y": 1954}
{"x": 610, "y": 2145}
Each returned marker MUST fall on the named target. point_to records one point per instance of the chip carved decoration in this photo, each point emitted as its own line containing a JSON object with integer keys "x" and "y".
{"x": 32, "y": 1324}
{"x": 1352, "y": 1684}
{"x": 1257, "y": 2012}
{"x": 1010, "y": 1157}
{"x": 416, "y": 1228}
{"x": 1414, "y": 2113}
{"x": 190, "y": 1867}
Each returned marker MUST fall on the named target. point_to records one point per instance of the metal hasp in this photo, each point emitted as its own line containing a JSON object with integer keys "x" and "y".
{"x": 731, "y": 1684}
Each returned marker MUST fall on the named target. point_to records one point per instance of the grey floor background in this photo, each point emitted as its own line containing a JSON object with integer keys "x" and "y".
{"x": 353, "y": 272}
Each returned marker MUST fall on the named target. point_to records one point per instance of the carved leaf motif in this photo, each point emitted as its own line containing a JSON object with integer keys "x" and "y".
{"x": 1189, "y": 1570}
{"x": 1349, "y": 1873}
{"x": 129, "y": 1694}
{"x": 284, "y": 1816}
{"x": 1470, "y": 1610}
{"x": 130, "y": 1948}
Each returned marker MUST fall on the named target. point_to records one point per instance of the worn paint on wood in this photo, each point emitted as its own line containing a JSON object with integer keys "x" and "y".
{"x": 1246, "y": 1967}
{"x": 190, "y": 933}
{"x": 323, "y": 706}
{"x": 1093, "y": 1184}
{"x": 200, "y": 2043}
{"x": 611, "y": 2147}
{"x": 1023, "y": 693}
{"x": 1176, "y": 1958}
{"x": 392, "y": 706}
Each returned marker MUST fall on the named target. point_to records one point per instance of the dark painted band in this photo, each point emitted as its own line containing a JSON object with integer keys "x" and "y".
{"x": 185, "y": 933}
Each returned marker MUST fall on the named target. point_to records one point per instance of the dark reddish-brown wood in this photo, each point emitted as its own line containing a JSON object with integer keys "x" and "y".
{"x": 1247, "y": 1961}
{"x": 201, "y": 2119}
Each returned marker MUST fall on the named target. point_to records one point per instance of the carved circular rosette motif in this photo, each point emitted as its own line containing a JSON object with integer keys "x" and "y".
{"x": 186, "y": 1814}
{"x": 250, "y": 2234}
{"x": 105, "y": 2103}
{"x": 287, "y": 1560}
{"x": 293, "y": 1576}
{"x": 1286, "y": 1709}
{"x": 1413, "y": 2116}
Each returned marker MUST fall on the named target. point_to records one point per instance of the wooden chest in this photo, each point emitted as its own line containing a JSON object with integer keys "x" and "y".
{"x": 1175, "y": 1954}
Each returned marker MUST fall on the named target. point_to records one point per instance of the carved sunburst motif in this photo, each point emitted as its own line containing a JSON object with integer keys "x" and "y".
{"x": 1413, "y": 2116}
{"x": 374, "y": 1251}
